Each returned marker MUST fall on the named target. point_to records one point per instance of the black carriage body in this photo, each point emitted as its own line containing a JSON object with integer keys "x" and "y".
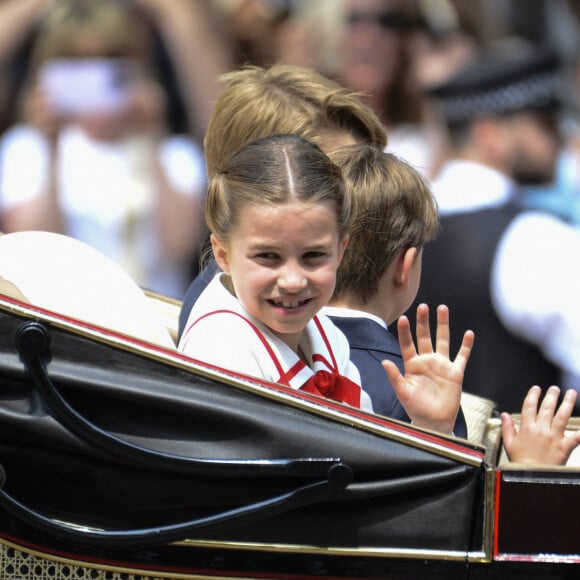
{"x": 118, "y": 455}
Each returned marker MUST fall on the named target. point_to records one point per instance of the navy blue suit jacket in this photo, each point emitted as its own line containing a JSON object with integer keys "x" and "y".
{"x": 192, "y": 294}
{"x": 370, "y": 343}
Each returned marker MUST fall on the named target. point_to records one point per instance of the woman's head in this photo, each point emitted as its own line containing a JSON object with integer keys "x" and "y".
{"x": 279, "y": 219}
{"x": 376, "y": 55}
{"x": 275, "y": 170}
{"x": 91, "y": 65}
{"x": 91, "y": 29}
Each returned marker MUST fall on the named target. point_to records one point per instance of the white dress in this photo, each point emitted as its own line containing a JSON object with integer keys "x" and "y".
{"x": 219, "y": 331}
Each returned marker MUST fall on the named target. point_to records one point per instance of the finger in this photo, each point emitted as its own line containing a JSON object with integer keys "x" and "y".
{"x": 405, "y": 338}
{"x": 572, "y": 441}
{"x": 396, "y": 379}
{"x": 508, "y": 430}
{"x": 548, "y": 406}
{"x": 442, "y": 339}
{"x": 465, "y": 350}
{"x": 530, "y": 405}
{"x": 565, "y": 410}
{"x": 569, "y": 444}
{"x": 424, "y": 342}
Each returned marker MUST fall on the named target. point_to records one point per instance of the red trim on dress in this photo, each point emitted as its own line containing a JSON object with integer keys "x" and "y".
{"x": 331, "y": 385}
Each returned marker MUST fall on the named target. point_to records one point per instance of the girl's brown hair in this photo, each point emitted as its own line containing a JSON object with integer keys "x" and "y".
{"x": 275, "y": 170}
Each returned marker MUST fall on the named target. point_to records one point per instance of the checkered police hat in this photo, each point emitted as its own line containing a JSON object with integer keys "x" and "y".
{"x": 499, "y": 83}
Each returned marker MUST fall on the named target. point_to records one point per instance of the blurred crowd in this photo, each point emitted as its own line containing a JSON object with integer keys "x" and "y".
{"x": 104, "y": 105}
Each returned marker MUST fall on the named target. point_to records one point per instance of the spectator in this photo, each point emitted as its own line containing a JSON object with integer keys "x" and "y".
{"x": 18, "y": 20}
{"x": 502, "y": 271}
{"x": 377, "y": 46}
{"x": 561, "y": 24}
{"x": 454, "y": 31}
{"x": 105, "y": 173}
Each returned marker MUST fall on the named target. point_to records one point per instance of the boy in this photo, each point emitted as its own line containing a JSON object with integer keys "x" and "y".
{"x": 395, "y": 216}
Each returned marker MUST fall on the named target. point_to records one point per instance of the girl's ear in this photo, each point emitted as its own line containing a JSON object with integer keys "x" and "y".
{"x": 404, "y": 266}
{"x": 342, "y": 247}
{"x": 220, "y": 253}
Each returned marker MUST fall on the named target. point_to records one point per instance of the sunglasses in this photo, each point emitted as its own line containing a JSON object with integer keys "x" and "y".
{"x": 386, "y": 20}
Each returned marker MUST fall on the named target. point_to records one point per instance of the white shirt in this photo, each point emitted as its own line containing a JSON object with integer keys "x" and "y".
{"x": 535, "y": 288}
{"x": 535, "y": 279}
{"x": 219, "y": 331}
{"x": 106, "y": 194}
{"x": 465, "y": 186}
{"x": 414, "y": 144}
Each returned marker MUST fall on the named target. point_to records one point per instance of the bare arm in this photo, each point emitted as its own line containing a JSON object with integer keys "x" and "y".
{"x": 197, "y": 53}
{"x": 17, "y": 17}
{"x": 179, "y": 216}
{"x": 42, "y": 212}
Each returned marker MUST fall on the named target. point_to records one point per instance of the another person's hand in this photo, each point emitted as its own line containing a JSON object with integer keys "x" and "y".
{"x": 430, "y": 391}
{"x": 541, "y": 438}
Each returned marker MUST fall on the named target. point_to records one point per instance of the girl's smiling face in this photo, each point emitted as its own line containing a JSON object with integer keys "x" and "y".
{"x": 282, "y": 260}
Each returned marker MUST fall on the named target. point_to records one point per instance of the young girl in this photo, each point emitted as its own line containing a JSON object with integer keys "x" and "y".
{"x": 279, "y": 218}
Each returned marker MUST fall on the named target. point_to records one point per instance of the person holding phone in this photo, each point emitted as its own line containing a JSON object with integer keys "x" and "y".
{"x": 92, "y": 157}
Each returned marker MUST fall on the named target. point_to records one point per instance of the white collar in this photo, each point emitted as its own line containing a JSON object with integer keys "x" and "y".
{"x": 341, "y": 312}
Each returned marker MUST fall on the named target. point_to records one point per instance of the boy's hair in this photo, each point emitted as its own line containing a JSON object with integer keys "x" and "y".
{"x": 394, "y": 209}
{"x": 258, "y": 102}
{"x": 274, "y": 170}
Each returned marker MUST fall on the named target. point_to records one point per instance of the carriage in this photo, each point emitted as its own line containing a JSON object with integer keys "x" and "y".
{"x": 121, "y": 458}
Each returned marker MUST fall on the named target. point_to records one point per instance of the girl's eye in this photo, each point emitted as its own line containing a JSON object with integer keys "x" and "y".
{"x": 314, "y": 256}
{"x": 266, "y": 256}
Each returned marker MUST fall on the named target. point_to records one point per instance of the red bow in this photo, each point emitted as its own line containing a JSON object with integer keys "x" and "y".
{"x": 334, "y": 386}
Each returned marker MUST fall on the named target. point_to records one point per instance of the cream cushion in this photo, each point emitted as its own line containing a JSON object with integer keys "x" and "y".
{"x": 9, "y": 289}
{"x": 477, "y": 410}
{"x": 68, "y": 277}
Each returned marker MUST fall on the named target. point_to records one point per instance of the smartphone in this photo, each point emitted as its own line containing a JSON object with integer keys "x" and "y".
{"x": 84, "y": 86}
